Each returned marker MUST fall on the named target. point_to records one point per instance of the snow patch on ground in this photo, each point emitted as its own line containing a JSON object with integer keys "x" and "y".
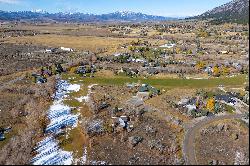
{"x": 98, "y": 162}
{"x": 48, "y": 151}
{"x": 74, "y": 87}
{"x": 87, "y": 97}
{"x": 82, "y": 98}
{"x": 50, "y": 154}
{"x": 83, "y": 159}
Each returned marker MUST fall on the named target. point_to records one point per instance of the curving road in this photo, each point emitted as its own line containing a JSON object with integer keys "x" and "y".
{"x": 189, "y": 138}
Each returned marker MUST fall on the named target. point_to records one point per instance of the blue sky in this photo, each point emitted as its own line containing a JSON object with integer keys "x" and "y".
{"x": 155, "y": 7}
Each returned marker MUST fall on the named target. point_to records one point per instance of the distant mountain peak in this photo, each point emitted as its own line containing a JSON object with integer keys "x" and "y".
{"x": 125, "y": 12}
{"x": 38, "y": 11}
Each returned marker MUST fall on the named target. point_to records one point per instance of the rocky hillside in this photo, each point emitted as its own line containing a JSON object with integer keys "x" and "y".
{"x": 235, "y": 11}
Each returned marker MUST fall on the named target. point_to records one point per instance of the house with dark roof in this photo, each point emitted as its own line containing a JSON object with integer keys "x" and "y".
{"x": 226, "y": 98}
{"x": 148, "y": 88}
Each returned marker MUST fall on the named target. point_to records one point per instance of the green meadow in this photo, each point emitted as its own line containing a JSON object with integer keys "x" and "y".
{"x": 238, "y": 80}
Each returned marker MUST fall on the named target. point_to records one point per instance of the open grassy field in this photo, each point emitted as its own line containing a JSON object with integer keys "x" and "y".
{"x": 166, "y": 82}
{"x": 80, "y": 43}
{"x": 44, "y": 28}
{"x": 85, "y": 42}
{"x": 52, "y": 28}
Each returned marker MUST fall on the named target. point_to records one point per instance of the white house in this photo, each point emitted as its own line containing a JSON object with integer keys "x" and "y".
{"x": 190, "y": 107}
{"x": 117, "y": 54}
{"x": 224, "y": 52}
{"x": 48, "y": 51}
{"x": 66, "y": 49}
{"x": 167, "y": 45}
{"x": 140, "y": 60}
{"x": 137, "y": 60}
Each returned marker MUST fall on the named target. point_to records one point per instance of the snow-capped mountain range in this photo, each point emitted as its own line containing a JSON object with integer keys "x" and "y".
{"x": 81, "y": 17}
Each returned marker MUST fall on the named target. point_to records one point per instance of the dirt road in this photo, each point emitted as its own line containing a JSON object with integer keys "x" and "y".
{"x": 189, "y": 138}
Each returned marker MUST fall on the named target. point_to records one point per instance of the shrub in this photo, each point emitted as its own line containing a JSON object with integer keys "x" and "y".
{"x": 107, "y": 127}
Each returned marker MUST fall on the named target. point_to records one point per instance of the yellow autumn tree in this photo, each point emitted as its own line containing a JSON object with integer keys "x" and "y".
{"x": 72, "y": 69}
{"x": 33, "y": 79}
{"x": 211, "y": 104}
{"x": 203, "y": 33}
{"x": 131, "y": 48}
{"x": 53, "y": 69}
{"x": 177, "y": 50}
{"x": 189, "y": 52}
{"x": 242, "y": 93}
{"x": 225, "y": 70}
{"x": 200, "y": 65}
{"x": 216, "y": 71}
{"x": 197, "y": 103}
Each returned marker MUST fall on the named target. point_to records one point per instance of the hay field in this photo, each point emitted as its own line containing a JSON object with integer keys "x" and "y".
{"x": 84, "y": 43}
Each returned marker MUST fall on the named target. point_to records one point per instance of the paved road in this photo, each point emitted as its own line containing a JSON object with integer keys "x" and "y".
{"x": 189, "y": 138}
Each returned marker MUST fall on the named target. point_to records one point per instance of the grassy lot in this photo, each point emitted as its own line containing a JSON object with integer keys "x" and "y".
{"x": 229, "y": 108}
{"x": 75, "y": 141}
{"x": 167, "y": 82}
{"x": 85, "y": 43}
{"x": 81, "y": 43}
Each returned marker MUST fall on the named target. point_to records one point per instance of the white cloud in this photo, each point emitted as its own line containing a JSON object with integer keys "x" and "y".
{"x": 10, "y": 1}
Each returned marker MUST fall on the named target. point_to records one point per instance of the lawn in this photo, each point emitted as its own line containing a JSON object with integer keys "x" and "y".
{"x": 162, "y": 82}
{"x": 229, "y": 108}
{"x": 75, "y": 141}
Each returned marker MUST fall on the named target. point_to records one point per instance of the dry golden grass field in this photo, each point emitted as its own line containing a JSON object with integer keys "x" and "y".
{"x": 80, "y": 43}
{"x": 84, "y": 43}
{"x": 48, "y": 27}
